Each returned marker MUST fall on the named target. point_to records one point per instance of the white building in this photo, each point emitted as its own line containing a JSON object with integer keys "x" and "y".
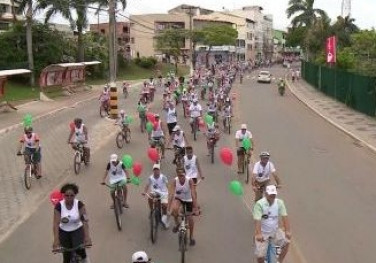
{"x": 6, "y": 14}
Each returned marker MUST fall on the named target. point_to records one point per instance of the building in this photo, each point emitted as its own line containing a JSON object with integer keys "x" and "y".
{"x": 262, "y": 42}
{"x": 279, "y": 44}
{"x": 6, "y": 14}
{"x": 215, "y": 55}
{"x": 122, "y": 32}
{"x": 145, "y": 28}
{"x": 244, "y": 26}
{"x": 184, "y": 9}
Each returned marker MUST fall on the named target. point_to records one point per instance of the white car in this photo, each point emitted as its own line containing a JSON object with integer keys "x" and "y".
{"x": 265, "y": 77}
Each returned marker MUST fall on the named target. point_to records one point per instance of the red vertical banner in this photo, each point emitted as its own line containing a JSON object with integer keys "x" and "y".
{"x": 331, "y": 49}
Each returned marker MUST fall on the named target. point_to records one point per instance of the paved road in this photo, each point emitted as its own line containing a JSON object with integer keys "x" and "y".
{"x": 328, "y": 188}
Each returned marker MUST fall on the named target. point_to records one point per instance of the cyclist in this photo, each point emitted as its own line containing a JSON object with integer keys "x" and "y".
{"x": 141, "y": 109}
{"x": 80, "y": 132}
{"x": 240, "y": 135}
{"x": 179, "y": 141}
{"x": 171, "y": 117}
{"x": 70, "y": 224}
{"x": 157, "y": 135}
{"x": 158, "y": 185}
{"x": 140, "y": 257}
{"x": 266, "y": 213}
{"x": 116, "y": 173}
{"x": 195, "y": 111}
{"x": 31, "y": 143}
{"x": 226, "y": 110}
{"x": 212, "y": 135}
{"x": 193, "y": 170}
{"x": 182, "y": 193}
{"x": 123, "y": 121}
{"x": 212, "y": 109}
{"x": 262, "y": 172}
{"x": 104, "y": 97}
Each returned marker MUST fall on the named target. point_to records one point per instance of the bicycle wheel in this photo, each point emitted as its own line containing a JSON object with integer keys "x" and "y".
{"x": 117, "y": 210}
{"x": 102, "y": 112}
{"x": 182, "y": 245}
{"x": 77, "y": 163}
{"x": 154, "y": 221}
{"x": 27, "y": 176}
{"x": 128, "y": 136}
{"x": 229, "y": 125}
{"x": 246, "y": 162}
{"x": 212, "y": 152}
{"x": 120, "y": 140}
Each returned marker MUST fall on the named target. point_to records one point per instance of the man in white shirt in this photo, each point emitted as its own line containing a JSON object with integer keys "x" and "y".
{"x": 263, "y": 170}
{"x": 266, "y": 214}
{"x": 158, "y": 185}
{"x": 240, "y": 135}
{"x": 195, "y": 111}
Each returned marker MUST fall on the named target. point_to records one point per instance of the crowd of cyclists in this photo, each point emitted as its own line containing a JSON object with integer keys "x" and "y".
{"x": 207, "y": 92}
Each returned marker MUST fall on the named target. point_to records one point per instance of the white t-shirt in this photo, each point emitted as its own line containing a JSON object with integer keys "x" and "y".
{"x": 171, "y": 115}
{"x": 190, "y": 166}
{"x": 195, "y": 110}
{"x": 158, "y": 185}
{"x": 262, "y": 173}
{"x": 240, "y": 136}
{"x": 178, "y": 140}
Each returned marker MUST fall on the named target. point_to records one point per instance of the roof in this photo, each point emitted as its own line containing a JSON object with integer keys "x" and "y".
{"x": 11, "y": 72}
{"x": 221, "y": 17}
{"x": 69, "y": 65}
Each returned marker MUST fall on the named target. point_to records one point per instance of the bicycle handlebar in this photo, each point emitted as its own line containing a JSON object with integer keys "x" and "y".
{"x": 63, "y": 249}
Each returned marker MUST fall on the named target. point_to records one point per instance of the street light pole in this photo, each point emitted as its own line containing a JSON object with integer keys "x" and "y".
{"x": 190, "y": 13}
{"x": 112, "y": 59}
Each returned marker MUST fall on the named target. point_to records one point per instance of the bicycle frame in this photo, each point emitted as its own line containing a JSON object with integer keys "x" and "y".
{"x": 272, "y": 253}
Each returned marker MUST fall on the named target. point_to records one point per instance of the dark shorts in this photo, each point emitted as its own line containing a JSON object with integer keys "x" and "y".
{"x": 194, "y": 180}
{"x": 71, "y": 240}
{"x": 240, "y": 151}
{"x": 171, "y": 126}
{"x": 188, "y": 205}
{"x": 36, "y": 155}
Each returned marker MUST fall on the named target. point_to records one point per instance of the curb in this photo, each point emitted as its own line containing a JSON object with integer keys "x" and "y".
{"x": 338, "y": 126}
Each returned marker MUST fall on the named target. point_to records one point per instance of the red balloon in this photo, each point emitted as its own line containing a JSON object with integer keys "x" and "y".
{"x": 55, "y": 197}
{"x": 151, "y": 117}
{"x": 137, "y": 169}
{"x": 226, "y": 156}
{"x": 153, "y": 154}
{"x": 71, "y": 126}
{"x": 201, "y": 123}
{"x": 155, "y": 125}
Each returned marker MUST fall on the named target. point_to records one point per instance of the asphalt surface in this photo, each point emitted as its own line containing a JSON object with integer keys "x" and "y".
{"x": 328, "y": 187}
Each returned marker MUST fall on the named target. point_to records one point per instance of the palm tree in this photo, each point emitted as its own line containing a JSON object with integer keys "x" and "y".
{"x": 304, "y": 13}
{"x": 68, "y": 9}
{"x": 343, "y": 28}
{"x": 27, "y": 5}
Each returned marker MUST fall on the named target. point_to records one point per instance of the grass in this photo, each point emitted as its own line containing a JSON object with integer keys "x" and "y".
{"x": 17, "y": 91}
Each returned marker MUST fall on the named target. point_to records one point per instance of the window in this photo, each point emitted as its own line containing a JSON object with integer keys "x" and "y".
{"x": 103, "y": 31}
{"x": 4, "y": 26}
{"x": 249, "y": 36}
{"x": 249, "y": 47}
{"x": 132, "y": 40}
{"x": 125, "y": 29}
{"x": 240, "y": 42}
{"x": 3, "y": 8}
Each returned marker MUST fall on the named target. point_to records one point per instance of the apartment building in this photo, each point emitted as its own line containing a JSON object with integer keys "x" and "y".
{"x": 262, "y": 41}
{"x": 243, "y": 25}
{"x": 6, "y": 14}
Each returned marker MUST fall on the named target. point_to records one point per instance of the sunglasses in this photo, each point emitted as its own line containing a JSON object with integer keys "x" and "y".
{"x": 69, "y": 195}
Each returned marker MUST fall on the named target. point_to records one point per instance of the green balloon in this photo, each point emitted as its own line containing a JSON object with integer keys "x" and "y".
{"x": 135, "y": 180}
{"x": 247, "y": 144}
{"x": 28, "y": 120}
{"x": 130, "y": 119}
{"x": 209, "y": 119}
{"x": 127, "y": 161}
{"x": 149, "y": 127}
{"x": 236, "y": 188}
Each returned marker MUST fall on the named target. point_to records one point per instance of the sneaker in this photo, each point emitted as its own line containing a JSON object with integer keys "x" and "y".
{"x": 192, "y": 242}
{"x": 165, "y": 221}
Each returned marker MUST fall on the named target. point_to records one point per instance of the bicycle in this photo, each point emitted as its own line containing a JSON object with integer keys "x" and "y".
{"x": 125, "y": 90}
{"x": 158, "y": 146}
{"x": 118, "y": 200}
{"x": 30, "y": 171}
{"x": 123, "y": 136}
{"x": 75, "y": 258}
{"x": 227, "y": 123}
{"x": 211, "y": 144}
{"x": 182, "y": 233}
{"x": 79, "y": 157}
{"x": 104, "y": 109}
{"x": 155, "y": 216}
{"x": 273, "y": 252}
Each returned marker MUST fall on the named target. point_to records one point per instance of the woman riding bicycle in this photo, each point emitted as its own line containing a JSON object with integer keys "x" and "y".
{"x": 30, "y": 142}
{"x": 70, "y": 224}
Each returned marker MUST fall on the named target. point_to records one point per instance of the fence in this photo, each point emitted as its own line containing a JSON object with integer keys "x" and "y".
{"x": 356, "y": 91}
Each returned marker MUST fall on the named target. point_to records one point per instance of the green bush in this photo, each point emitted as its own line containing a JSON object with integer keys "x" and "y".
{"x": 145, "y": 62}
{"x": 137, "y": 61}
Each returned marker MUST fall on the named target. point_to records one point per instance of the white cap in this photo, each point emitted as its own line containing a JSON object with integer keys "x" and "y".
{"x": 243, "y": 126}
{"x": 122, "y": 112}
{"x": 113, "y": 157}
{"x": 176, "y": 128}
{"x": 195, "y": 100}
{"x": 271, "y": 190}
{"x": 157, "y": 166}
{"x": 140, "y": 256}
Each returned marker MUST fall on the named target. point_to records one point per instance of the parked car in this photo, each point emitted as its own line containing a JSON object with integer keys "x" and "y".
{"x": 264, "y": 77}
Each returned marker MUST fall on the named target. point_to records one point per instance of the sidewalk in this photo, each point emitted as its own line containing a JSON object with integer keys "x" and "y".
{"x": 39, "y": 109}
{"x": 358, "y": 125}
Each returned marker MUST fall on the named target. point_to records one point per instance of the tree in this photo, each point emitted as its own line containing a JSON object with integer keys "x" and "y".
{"x": 316, "y": 37}
{"x": 171, "y": 42}
{"x": 70, "y": 9}
{"x": 363, "y": 46}
{"x": 343, "y": 28}
{"x": 295, "y": 36}
{"x": 27, "y": 5}
{"x": 218, "y": 35}
{"x": 303, "y": 12}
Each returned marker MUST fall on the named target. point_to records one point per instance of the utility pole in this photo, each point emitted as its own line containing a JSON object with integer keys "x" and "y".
{"x": 190, "y": 13}
{"x": 112, "y": 59}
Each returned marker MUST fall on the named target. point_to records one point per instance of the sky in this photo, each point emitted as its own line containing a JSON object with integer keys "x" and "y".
{"x": 362, "y": 10}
